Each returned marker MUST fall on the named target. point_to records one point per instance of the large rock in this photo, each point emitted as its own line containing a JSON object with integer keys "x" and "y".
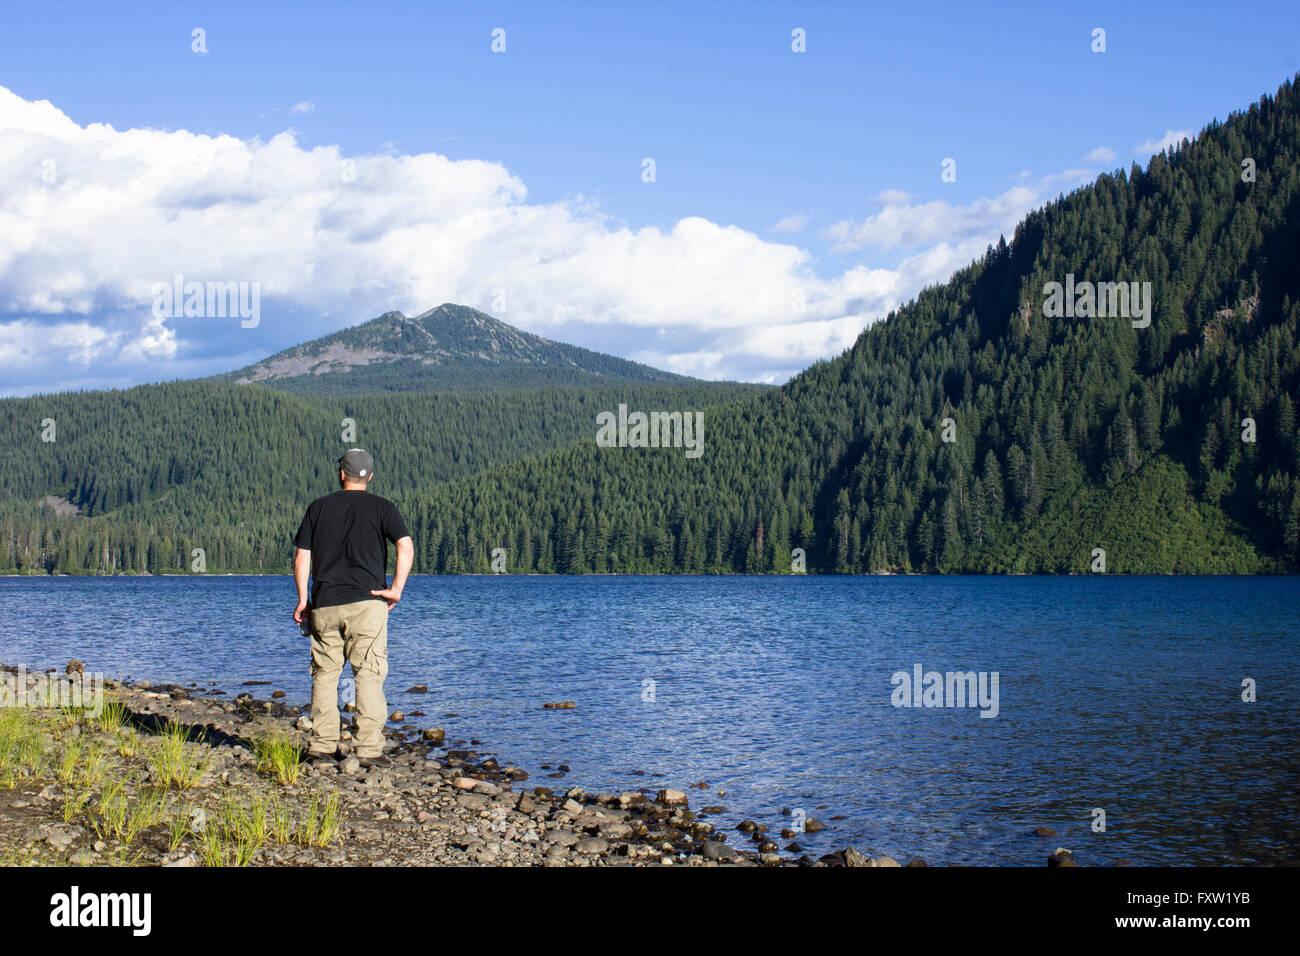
{"x": 671, "y": 798}
{"x": 615, "y": 831}
{"x": 853, "y": 858}
{"x": 1061, "y": 857}
{"x": 717, "y": 850}
{"x": 560, "y": 836}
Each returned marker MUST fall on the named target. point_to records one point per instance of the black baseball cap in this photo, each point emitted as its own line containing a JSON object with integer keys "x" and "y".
{"x": 357, "y": 463}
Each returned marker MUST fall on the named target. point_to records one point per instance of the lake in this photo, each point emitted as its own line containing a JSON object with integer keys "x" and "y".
{"x": 1122, "y": 694}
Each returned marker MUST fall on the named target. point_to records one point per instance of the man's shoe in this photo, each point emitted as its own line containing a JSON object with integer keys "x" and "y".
{"x": 370, "y": 763}
{"x": 319, "y": 758}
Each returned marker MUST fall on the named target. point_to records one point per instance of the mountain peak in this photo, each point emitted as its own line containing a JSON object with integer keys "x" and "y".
{"x": 448, "y": 347}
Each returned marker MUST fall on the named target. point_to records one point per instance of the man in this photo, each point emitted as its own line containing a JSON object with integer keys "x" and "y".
{"x": 343, "y": 544}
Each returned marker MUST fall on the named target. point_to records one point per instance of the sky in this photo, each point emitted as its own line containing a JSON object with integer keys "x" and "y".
{"x": 731, "y": 190}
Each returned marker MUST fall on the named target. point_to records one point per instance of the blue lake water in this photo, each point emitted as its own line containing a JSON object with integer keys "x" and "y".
{"x": 1117, "y": 693}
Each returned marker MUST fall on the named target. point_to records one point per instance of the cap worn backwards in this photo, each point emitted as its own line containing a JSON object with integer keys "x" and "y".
{"x": 357, "y": 463}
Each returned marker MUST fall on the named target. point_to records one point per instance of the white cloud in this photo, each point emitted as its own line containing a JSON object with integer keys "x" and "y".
{"x": 335, "y": 240}
{"x": 903, "y": 225}
{"x": 306, "y": 106}
{"x": 1102, "y": 154}
{"x": 795, "y": 223}
{"x": 1172, "y": 137}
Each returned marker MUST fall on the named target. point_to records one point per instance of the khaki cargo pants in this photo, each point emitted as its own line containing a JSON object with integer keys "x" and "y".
{"x": 357, "y": 633}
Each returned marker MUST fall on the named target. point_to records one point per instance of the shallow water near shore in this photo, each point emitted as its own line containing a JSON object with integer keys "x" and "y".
{"x": 1117, "y": 693}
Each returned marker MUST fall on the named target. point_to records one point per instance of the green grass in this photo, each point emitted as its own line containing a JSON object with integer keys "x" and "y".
{"x": 236, "y": 834}
{"x": 278, "y": 756}
{"x": 171, "y": 763}
{"x": 101, "y": 770}
{"x": 113, "y": 717}
{"x": 22, "y": 752}
{"x": 320, "y": 826}
{"x": 70, "y": 761}
{"x": 120, "y": 818}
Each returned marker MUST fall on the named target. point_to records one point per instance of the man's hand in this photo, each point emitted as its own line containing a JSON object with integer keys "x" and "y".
{"x": 405, "y": 556}
{"x": 301, "y": 572}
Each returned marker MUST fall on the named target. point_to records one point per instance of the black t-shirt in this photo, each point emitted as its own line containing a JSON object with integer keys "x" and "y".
{"x": 347, "y": 534}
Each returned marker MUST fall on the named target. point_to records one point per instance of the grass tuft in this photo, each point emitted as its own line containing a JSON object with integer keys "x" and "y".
{"x": 171, "y": 764}
{"x": 278, "y": 756}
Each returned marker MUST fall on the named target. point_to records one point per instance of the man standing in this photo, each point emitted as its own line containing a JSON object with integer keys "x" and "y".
{"x": 343, "y": 544}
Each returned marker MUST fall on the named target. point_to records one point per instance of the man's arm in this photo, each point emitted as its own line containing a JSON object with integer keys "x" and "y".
{"x": 405, "y": 557}
{"x": 301, "y": 572}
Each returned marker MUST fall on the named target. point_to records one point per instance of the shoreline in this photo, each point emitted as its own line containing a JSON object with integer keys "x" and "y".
{"x": 438, "y": 803}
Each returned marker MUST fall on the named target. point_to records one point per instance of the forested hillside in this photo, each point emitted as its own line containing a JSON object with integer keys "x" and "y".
{"x": 1171, "y": 446}
{"x": 156, "y": 471}
{"x": 1071, "y": 434}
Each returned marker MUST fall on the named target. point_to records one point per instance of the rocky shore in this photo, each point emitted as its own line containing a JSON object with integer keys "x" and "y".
{"x": 169, "y": 775}
{"x": 234, "y": 797}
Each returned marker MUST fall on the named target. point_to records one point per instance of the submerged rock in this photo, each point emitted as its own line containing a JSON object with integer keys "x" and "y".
{"x": 1061, "y": 857}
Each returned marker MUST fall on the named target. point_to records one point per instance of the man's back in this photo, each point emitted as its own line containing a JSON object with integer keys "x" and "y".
{"x": 347, "y": 534}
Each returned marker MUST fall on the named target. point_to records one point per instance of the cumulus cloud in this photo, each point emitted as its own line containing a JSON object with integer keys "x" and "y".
{"x": 1102, "y": 154}
{"x": 92, "y": 217}
{"x": 795, "y": 223}
{"x": 902, "y": 224}
{"x": 1172, "y": 137}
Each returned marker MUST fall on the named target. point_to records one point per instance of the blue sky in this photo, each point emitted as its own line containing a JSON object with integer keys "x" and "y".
{"x": 838, "y": 147}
